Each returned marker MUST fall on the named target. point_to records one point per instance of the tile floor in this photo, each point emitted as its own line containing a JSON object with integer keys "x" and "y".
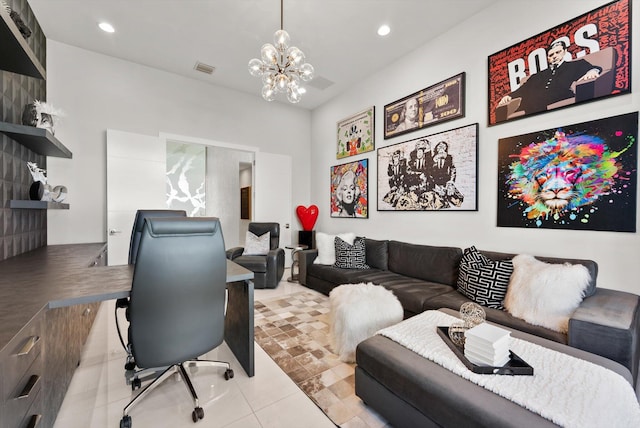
{"x": 98, "y": 391}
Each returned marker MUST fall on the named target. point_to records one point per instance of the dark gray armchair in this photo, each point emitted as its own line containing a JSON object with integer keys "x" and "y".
{"x": 268, "y": 269}
{"x": 177, "y": 301}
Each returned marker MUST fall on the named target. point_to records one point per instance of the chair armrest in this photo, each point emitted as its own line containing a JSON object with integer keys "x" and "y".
{"x": 275, "y": 267}
{"x": 305, "y": 259}
{"x": 234, "y": 252}
{"x": 608, "y": 324}
{"x": 598, "y": 87}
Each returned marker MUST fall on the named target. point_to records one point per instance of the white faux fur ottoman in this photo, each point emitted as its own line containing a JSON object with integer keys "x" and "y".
{"x": 358, "y": 311}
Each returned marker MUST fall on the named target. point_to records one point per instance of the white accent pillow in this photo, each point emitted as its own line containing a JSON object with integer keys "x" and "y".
{"x": 327, "y": 247}
{"x": 256, "y": 245}
{"x": 545, "y": 294}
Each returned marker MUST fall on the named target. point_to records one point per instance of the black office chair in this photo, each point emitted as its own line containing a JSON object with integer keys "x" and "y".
{"x": 268, "y": 269}
{"x": 177, "y": 300}
{"x": 136, "y": 233}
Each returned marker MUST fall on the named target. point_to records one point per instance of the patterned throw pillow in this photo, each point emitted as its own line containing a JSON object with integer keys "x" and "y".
{"x": 350, "y": 256}
{"x": 483, "y": 280}
{"x": 256, "y": 245}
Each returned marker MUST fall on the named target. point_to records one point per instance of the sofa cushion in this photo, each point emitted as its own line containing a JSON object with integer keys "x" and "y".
{"x": 327, "y": 247}
{"x": 335, "y": 275}
{"x": 350, "y": 256}
{"x": 545, "y": 294}
{"x": 377, "y": 253}
{"x": 482, "y": 280}
{"x": 591, "y": 265}
{"x": 434, "y": 264}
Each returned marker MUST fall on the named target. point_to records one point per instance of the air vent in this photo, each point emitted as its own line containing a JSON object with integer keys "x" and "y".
{"x": 319, "y": 82}
{"x": 204, "y": 68}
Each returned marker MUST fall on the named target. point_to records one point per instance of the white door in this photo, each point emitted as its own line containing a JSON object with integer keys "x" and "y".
{"x": 272, "y": 194}
{"x": 136, "y": 170}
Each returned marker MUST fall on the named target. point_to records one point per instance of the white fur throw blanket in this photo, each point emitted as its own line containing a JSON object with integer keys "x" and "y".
{"x": 566, "y": 390}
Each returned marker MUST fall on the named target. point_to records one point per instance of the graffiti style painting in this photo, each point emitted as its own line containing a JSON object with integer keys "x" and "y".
{"x": 349, "y": 188}
{"x": 356, "y": 134}
{"x": 431, "y": 173}
{"x": 580, "y": 177}
{"x": 581, "y": 60}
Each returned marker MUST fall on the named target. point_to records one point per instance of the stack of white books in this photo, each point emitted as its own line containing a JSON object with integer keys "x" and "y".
{"x": 487, "y": 345}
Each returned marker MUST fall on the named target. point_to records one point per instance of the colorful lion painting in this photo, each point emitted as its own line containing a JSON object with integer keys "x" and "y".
{"x": 571, "y": 177}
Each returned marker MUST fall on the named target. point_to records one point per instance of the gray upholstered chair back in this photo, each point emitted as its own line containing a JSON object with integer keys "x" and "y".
{"x": 178, "y": 291}
{"x": 138, "y": 223}
{"x": 262, "y": 228}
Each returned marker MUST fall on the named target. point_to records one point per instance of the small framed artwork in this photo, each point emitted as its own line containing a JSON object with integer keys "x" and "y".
{"x": 584, "y": 59}
{"x": 356, "y": 134}
{"x": 580, "y": 177}
{"x": 435, "y": 104}
{"x": 349, "y": 190}
{"x": 432, "y": 173}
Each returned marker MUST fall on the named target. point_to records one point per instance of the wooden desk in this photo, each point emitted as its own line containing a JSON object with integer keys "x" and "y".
{"x": 36, "y": 285}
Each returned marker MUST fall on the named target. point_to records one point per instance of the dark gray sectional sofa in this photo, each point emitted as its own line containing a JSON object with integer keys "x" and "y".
{"x": 424, "y": 277}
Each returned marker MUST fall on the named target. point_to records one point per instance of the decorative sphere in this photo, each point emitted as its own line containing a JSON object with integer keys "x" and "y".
{"x": 456, "y": 333}
{"x": 295, "y": 55}
{"x": 268, "y": 92}
{"x": 472, "y": 314}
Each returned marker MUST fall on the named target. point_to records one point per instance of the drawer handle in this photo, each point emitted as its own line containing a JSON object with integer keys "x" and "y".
{"x": 33, "y": 381}
{"x": 86, "y": 312}
{"x": 34, "y": 421}
{"x": 28, "y": 346}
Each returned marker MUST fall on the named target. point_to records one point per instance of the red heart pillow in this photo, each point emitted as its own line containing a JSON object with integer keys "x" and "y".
{"x": 307, "y": 216}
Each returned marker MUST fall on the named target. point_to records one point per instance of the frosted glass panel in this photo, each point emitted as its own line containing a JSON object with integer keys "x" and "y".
{"x": 186, "y": 170}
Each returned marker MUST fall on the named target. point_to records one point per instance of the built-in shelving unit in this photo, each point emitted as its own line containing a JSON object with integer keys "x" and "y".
{"x": 15, "y": 54}
{"x": 37, "y": 140}
{"x": 37, "y": 205}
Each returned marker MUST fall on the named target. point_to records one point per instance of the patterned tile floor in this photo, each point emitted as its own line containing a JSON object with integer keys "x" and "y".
{"x": 294, "y": 331}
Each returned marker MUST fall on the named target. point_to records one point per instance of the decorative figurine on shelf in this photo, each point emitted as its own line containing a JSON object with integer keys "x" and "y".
{"x": 17, "y": 19}
{"x": 40, "y": 190}
{"x": 41, "y": 115}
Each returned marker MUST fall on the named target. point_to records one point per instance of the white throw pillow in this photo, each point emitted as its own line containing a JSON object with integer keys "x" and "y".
{"x": 256, "y": 245}
{"x": 327, "y": 247}
{"x": 545, "y": 294}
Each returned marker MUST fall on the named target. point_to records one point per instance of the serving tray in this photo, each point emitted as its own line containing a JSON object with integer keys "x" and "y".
{"x": 516, "y": 366}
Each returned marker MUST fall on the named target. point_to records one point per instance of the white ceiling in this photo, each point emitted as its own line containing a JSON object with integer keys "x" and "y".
{"x": 337, "y": 36}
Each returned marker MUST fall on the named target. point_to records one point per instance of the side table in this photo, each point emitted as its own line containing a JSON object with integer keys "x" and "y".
{"x": 294, "y": 260}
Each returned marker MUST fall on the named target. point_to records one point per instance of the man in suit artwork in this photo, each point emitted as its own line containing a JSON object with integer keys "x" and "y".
{"x": 419, "y": 177}
{"x": 554, "y": 83}
{"x": 443, "y": 173}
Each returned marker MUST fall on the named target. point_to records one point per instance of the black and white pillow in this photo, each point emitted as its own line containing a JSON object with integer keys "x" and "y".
{"x": 483, "y": 280}
{"x": 350, "y": 256}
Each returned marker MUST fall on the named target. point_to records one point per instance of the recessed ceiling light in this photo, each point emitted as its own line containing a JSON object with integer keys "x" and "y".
{"x": 106, "y": 27}
{"x": 384, "y": 30}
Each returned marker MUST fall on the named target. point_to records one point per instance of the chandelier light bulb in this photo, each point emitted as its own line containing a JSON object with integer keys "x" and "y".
{"x": 269, "y": 54}
{"x": 293, "y": 96}
{"x": 295, "y": 55}
{"x": 306, "y": 72}
{"x": 268, "y": 92}
{"x": 281, "y": 82}
{"x": 255, "y": 67}
{"x": 281, "y": 39}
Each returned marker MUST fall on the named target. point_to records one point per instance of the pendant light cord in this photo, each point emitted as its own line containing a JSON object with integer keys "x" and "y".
{"x": 282, "y": 14}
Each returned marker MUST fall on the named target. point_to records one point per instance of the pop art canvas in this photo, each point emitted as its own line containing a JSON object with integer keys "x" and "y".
{"x": 349, "y": 188}
{"x": 580, "y": 177}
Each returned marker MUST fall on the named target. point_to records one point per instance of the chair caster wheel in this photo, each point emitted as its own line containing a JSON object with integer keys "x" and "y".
{"x": 135, "y": 384}
{"x": 130, "y": 364}
{"x": 197, "y": 414}
{"x": 125, "y": 422}
{"x": 228, "y": 374}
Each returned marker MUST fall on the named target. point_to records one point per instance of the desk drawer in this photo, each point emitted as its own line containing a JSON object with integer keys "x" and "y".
{"x": 34, "y": 417}
{"x": 23, "y": 395}
{"x": 22, "y": 351}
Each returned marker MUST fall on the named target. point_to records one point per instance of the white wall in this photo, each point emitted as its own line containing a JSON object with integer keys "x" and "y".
{"x": 466, "y": 48}
{"x": 97, "y": 92}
